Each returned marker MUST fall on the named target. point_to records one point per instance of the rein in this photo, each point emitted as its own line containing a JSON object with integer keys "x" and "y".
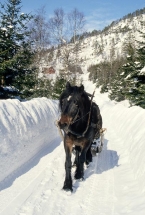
{"x": 79, "y": 118}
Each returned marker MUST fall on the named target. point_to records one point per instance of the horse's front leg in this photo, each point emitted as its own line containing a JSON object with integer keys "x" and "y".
{"x": 68, "y": 164}
{"x": 88, "y": 156}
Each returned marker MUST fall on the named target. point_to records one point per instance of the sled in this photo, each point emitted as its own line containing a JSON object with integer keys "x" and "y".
{"x": 98, "y": 143}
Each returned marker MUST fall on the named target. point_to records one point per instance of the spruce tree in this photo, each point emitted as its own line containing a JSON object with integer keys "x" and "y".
{"x": 44, "y": 88}
{"x": 140, "y": 79}
{"x": 117, "y": 87}
{"x": 59, "y": 86}
{"x": 16, "y": 55}
{"x": 136, "y": 77}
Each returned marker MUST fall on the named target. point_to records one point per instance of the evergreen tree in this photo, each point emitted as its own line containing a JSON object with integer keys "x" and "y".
{"x": 133, "y": 79}
{"x": 117, "y": 86}
{"x": 128, "y": 47}
{"x": 44, "y": 88}
{"x": 59, "y": 86}
{"x": 123, "y": 85}
{"x": 127, "y": 78}
{"x": 136, "y": 78}
{"x": 16, "y": 55}
{"x": 140, "y": 67}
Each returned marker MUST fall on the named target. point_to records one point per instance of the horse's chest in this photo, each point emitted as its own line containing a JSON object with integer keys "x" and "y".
{"x": 77, "y": 141}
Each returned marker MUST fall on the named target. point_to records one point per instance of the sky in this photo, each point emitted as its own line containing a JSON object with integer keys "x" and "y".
{"x": 98, "y": 13}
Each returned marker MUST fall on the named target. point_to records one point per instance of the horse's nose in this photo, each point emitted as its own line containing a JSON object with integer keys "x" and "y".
{"x": 60, "y": 122}
{"x": 62, "y": 125}
{"x": 64, "y": 121}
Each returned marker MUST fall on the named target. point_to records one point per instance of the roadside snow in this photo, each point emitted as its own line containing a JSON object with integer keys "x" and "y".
{"x": 25, "y": 128}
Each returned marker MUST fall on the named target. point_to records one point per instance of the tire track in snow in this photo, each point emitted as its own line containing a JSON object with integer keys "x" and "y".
{"x": 101, "y": 187}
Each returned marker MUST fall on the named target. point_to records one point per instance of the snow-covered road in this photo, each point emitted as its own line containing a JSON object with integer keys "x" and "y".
{"x": 114, "y": 182}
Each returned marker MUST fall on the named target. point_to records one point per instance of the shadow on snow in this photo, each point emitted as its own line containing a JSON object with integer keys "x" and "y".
{"x": 104, "y": 161}
{"x": 8, "y": 181}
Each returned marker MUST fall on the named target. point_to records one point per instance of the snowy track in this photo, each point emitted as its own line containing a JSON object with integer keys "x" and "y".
{"x": 114, "y": 182}
{"x": 40, "y": 190}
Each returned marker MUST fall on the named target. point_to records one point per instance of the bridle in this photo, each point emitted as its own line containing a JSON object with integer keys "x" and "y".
{"x": 76, "y": 119}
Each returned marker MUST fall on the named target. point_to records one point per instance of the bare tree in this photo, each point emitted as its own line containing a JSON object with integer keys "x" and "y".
{"x": 40, "y": 37}
{"x": 64, "y": 28}
{"x": 57, "y": 26}
{"x": 40, "y": 32}
{"x": 76, "y": 21}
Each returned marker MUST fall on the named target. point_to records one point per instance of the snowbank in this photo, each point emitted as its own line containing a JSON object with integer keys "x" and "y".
{"x": 25, "y": 128}
{"x": 127, "y": 124}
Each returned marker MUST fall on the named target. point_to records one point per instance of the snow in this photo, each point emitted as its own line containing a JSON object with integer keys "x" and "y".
{"x": 3, "y": 29}
{"x": 10, "y": 26}
{"x": 142, "y": 72}
{"x": 32, "y": 161}
{"x": 23, "y": 126}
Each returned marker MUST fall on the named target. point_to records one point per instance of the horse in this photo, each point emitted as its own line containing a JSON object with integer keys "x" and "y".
{"x": 81, "y": 122}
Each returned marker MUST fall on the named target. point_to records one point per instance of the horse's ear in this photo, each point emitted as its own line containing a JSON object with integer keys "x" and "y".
{"x": 81, "y": 89}
{"x": 68, "y": 85}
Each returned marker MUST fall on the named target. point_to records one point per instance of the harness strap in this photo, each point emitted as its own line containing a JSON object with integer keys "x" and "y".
{"x": 89, "y": 115}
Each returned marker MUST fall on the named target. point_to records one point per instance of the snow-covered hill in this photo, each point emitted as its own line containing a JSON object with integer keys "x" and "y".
{"x": 105, "y": 46}
{"x": 32, "y": 162}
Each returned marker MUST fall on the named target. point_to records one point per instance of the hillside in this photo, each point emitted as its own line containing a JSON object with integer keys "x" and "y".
{"x": 105, "y": 46}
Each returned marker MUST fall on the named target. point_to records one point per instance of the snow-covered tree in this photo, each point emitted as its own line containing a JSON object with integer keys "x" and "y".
{"x": 140, "y": 68}
{"x": 15, "y": 49}
{"x": 130, "y": 82}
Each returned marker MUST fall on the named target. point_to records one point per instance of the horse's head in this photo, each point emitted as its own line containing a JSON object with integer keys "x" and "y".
{"x": 70, "y": 104}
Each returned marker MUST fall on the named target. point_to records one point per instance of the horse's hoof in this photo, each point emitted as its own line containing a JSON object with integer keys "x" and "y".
{"x": 67, "y": 189}
{"x": 88, "y": 163}
{"x": 79, "y": 177}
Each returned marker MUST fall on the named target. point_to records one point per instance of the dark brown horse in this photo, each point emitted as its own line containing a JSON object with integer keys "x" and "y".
{"x": 81, "y": 122}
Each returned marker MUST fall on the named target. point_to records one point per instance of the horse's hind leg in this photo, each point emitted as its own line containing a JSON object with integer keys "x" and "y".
{"x": 88, "y": 156}
{"x": 68, "y": 179}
